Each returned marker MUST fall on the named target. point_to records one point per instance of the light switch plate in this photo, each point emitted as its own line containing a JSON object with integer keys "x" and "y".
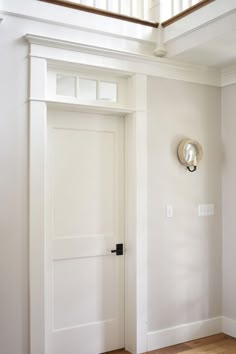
{"x": 206, "y": 209}
{"x": 169, "y": 211}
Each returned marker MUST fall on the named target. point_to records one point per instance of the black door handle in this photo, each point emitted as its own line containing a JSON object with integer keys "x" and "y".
{"x": 119, "y": 249}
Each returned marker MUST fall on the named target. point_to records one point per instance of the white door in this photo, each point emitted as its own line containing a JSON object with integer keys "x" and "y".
{"x": 85, "y": 221}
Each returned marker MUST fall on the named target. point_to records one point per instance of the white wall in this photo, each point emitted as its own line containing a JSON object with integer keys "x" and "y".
{"x": 229, "y": 198}
{"x": 138, "y": 38}
{"x": 14, "y": 335}
{"x": 184, "y": 253}
{"x": 184, "y": 259}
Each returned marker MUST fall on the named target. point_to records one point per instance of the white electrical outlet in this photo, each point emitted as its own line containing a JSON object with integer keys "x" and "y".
{"x": 169, "y": 211}
{"x": 206, "y": 209}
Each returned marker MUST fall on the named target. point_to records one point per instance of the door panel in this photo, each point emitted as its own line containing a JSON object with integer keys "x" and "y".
{"x": 70, "y": 284}
{"x": 83, "y": 158}
{"x": 85, "y": 220}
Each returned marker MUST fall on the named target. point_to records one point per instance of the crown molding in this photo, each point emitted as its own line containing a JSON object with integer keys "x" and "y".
{"x": 228, "y": 76}
{"x": 85, "y": 54}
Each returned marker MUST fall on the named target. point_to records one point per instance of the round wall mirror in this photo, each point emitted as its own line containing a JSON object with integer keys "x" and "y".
{"x": 190, "y": 153}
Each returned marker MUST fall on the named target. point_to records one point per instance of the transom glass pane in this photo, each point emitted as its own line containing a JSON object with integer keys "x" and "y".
{"x": 108, "y": 91}
{"x": 87, "y": 89}
{"x": 66, "y": 85}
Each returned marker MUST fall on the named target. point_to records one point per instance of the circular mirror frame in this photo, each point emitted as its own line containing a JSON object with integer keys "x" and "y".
{"x": 181, "y": 151}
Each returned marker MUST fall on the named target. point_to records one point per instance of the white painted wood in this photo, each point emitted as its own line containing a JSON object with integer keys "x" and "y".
{"x": 38, "y": 114}
{"x": 111, "y": 33}
{"x": 160, "y": 50}
{"x": 125, "y": 7}
{"x": 155, "y": 10}
{"x": 113, "y": 60}
{"x": 172, "y": 7}
{"x": 94, "y": 96}
{"x": 87, "y": 2}
{"x": 113, "y": 6}
{"x": 184, "y": 333}
{"x": 85, "y": 199}
{"x": 137, "y": 145}
{"x": 38, "y": 75}
{"x": 135, "y": 205}
{"x": 228, "y": 76}
{"x": 101, "y": 4}
{"x": 130, "y": 233}
{"x": 205, "y": 24}
{"x": 145, "y": 9}
{"x": 134, "y": 8}
{"x": 229, "y": 326}
{"x": 102, "y": 109}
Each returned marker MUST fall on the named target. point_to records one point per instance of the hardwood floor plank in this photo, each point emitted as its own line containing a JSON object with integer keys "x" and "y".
{"x": 207, "y": 340}
{"x": 179, "y": 348}
{"x": 217, "y": 344}
{"x": 120, "y": 351}
{"x": 221, "y": 347}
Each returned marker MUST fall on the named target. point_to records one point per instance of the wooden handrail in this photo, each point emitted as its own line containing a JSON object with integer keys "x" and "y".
{"x": 75, "y": 6}
{"x": 186, "y": 12}
{"x": 96, "y": 11}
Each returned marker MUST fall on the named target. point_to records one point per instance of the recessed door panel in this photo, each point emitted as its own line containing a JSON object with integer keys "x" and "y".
{"x": 84, "y": 176}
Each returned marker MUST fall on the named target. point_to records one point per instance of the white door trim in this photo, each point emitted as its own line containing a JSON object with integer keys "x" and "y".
{"x": 136, "y": 204}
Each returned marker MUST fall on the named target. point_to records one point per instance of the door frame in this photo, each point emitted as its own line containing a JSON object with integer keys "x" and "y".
{"x": 42, "y": 52}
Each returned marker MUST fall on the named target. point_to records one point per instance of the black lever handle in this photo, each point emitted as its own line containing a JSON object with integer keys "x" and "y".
{"x": 119, "y": 249}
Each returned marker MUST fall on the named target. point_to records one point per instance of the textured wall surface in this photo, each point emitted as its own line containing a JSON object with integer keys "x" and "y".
{"x": 184, "y": 257}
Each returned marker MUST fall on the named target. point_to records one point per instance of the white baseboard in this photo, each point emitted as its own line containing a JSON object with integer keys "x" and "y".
{"x": 183, "y": 333}
{"x": 229, "y": 326}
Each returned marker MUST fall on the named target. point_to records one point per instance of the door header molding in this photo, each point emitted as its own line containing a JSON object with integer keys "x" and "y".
{"x": 119, "y": 60}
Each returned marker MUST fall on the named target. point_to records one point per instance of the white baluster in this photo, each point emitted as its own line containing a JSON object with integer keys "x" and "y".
{"x": 107, "y": 4}
{"x": 86, "y": 2}
{"x": 186, "y": 4}
{"x": 130, "y": 8}
{"x": 134, "y": 8}
{"x": 155, "y": 8}
{"x": 125, "y": 7}
{"x": 119, "y": 6}
{"x": 172, "y": 8}
{"x": 166, "y": 9}
{"x": 139, "y": 8}
{"x": 145, "y": 9}
{"x": 113, "y": 6}
{"x": 100, "y": 4}
{"x": 177, "y": 8}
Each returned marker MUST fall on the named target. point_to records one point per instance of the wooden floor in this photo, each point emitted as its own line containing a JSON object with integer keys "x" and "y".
{"x": 217, "y": 344}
